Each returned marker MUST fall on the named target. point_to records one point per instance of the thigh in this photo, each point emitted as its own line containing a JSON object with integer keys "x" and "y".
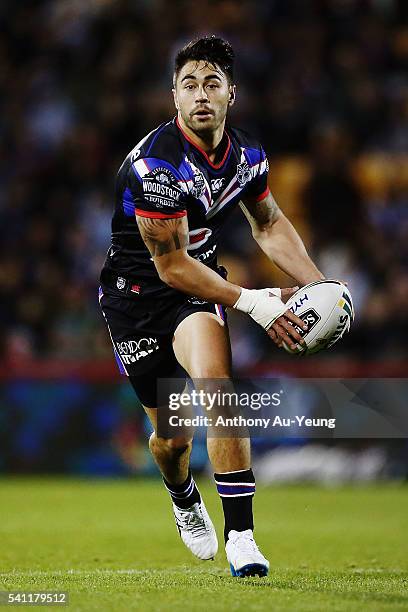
{"x": 202, "y": 346}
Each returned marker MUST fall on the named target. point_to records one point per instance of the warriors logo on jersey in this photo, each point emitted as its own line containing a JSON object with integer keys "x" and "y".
{"x": 243, "y": 173}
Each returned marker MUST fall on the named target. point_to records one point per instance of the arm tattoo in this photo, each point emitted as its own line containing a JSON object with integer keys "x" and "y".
{"x": 162, "y": 236}
{"x": 261, "y": 214}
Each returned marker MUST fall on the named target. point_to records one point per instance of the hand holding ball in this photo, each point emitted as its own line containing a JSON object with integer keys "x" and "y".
{"x": 327, "y": 308}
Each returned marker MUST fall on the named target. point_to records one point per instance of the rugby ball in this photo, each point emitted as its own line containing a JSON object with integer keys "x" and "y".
{"x": 327, "y": 308}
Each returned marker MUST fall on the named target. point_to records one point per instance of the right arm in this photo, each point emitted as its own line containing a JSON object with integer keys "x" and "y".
{"x": 167, "y": 241}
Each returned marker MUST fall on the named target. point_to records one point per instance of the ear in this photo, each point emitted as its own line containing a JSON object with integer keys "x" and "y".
{"x": 233, "y": 91}
{"x": 175, "y": 99}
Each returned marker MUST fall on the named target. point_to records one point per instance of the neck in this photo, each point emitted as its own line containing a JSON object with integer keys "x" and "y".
{"x": 208, "y": 141}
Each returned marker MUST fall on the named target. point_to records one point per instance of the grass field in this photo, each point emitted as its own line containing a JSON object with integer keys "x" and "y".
{"x": 114, "y": 546}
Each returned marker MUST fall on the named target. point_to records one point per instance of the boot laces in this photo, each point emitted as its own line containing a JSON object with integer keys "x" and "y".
{"x": 193, "y": 521}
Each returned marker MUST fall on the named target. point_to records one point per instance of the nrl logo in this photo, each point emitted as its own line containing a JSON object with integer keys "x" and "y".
{"x": 121, "y": 283}
{"x": 243, "y": 173}
{"x": 199, "y": 185}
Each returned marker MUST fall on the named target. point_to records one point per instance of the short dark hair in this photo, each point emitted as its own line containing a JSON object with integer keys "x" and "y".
{"x": 210, "y": 49}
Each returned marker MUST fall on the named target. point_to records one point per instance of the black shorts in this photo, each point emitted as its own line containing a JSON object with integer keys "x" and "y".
{"x": 142, "y": 330}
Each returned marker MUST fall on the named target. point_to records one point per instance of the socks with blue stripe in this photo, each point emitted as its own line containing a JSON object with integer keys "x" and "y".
{"x": 236, "y": 490}
{"x": 184, "y": 495}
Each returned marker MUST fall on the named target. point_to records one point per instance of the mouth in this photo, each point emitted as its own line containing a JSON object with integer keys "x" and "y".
{"x": 203, "y": 114}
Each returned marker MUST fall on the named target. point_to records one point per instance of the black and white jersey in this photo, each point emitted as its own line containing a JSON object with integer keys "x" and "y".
{"x": 168, "y": 176}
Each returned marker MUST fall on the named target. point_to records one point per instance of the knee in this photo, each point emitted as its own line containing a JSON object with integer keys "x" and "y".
{"x": 210, "y": 373}
{"x": 177, "y": 445}
{"x": 216, "y": 387}
{"x": 212, "y": 383}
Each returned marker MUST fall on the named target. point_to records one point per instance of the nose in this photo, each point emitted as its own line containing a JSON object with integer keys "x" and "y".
{"x": 201, "y": 95}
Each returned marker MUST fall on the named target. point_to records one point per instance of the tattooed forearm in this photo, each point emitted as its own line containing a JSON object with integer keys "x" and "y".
{"x": 261, "y": 214}
{"x": 162, "y": 236}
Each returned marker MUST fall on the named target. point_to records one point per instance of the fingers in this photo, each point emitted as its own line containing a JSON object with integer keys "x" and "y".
{"x": 274, "y": 337}
{"x": 282, "y": 334}
{"x": 295, "y": 320}
{"x": 283, "y": 330}
{"x": 291, "y": 331}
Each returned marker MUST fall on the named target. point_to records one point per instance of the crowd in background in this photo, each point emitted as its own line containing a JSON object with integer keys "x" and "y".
{"x": 324, "y": 84}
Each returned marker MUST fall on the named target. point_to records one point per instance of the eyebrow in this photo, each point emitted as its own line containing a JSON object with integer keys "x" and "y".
{"x": 206, "y": 78}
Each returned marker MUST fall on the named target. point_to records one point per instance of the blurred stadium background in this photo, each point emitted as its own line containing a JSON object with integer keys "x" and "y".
{"x": 323, "y": 84}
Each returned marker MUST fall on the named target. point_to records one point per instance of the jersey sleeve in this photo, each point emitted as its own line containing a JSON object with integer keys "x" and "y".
{"x": 157, "y": 189}
{"x": 258, "y": 188}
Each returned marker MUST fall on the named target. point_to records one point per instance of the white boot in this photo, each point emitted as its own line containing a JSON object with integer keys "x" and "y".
{"x": 196, "y": 530}
{"x": 244, "y": 556}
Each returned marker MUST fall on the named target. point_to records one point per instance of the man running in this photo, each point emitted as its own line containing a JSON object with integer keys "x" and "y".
{"x": 163, "y": 295}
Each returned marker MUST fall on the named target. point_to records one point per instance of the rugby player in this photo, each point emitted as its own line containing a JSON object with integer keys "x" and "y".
{"x": 163, "y": 295}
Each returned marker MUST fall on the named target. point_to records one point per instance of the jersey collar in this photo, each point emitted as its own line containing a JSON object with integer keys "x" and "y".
{"x": 203, "y": 153}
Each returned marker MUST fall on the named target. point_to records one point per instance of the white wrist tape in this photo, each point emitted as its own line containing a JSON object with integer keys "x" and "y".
{"x": 263, "y": 305}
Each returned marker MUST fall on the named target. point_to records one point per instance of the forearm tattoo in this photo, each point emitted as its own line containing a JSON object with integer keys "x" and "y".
{"x": 263, "y": 213}
{"x": 162, "y": 236}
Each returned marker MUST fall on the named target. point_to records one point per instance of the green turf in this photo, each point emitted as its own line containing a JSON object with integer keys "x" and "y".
{"x": 113, "y": 546}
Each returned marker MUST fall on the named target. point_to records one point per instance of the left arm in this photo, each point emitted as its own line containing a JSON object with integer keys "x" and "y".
{"x": 279, "y": 240}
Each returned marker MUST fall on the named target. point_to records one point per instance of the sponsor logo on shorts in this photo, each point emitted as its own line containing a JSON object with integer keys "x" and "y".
{"x": 160, "y": 188}
{"x": 131, "y": 351}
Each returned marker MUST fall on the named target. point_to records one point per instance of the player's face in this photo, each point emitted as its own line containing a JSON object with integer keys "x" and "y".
{"x": 202, "y": 95}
